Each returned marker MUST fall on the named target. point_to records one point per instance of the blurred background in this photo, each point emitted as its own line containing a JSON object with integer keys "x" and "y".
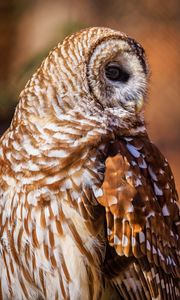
{"x": 29, "y": 29}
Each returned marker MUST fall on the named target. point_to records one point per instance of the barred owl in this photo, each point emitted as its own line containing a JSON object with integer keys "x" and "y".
{"x": 88, "y": 205}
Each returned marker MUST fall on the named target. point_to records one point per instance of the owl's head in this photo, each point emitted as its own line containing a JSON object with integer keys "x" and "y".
{"x": 98, "y": 72}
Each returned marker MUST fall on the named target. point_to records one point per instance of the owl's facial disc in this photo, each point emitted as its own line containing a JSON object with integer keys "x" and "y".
{"x": 125, "y": 82}
{"x": 118, "y": 76}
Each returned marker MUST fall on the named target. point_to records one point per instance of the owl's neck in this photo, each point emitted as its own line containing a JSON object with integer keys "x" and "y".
{"x": 44, "y": 152}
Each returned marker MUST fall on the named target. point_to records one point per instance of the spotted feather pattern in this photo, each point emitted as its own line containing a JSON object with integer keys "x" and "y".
{"x": 142, "y": 214}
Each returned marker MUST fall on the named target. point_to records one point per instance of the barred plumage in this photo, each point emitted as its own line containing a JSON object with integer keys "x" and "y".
{"x": 88, "y": 205}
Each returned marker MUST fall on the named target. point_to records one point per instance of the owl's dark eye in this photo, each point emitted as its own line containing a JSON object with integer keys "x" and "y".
{"x": 116, "y": 73}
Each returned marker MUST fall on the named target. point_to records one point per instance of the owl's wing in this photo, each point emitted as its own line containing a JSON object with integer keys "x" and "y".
{"x": 143, "y": 217}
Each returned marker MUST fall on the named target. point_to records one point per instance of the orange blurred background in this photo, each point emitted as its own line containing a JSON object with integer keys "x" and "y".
{"x": 29, "y": 29}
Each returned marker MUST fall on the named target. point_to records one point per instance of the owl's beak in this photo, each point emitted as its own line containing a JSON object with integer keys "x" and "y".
{"x": 139, "y": 104}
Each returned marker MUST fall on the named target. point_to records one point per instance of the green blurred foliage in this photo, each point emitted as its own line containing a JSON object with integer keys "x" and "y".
{"x": 7, "y": 105}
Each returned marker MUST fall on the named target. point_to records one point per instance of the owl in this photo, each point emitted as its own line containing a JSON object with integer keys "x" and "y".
{"x": 88, "y": 205}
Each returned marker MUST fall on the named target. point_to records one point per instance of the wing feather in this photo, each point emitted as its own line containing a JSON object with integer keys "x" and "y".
{"x": 142, "y": 212}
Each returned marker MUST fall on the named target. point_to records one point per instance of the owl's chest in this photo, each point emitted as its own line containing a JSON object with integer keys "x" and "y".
{"x": 52, "y": 246}
{"x": 54, "y": 236}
